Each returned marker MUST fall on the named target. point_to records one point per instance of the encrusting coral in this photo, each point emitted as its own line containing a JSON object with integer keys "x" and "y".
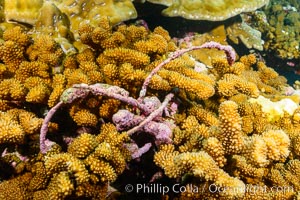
{"x": 132, "y": 97}
{"x": 206, "y": 10}
{"x": 242, "y": 32}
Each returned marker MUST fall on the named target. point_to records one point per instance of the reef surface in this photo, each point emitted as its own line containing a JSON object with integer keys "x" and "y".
{"x": 91, "y": 108}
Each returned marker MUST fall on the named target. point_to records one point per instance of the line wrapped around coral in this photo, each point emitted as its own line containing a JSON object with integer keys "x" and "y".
{"x": 162, "y": 131}
{"x": 158, "y": 128}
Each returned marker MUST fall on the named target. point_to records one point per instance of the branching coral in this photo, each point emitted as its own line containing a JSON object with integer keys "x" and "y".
{"x": 272, "y": 145}
{"x": 231, "y": 84}
{"x": 190, "y": 136}
{"x": 200, "y": 164}
{"x": 12, "y": 54}
{"x": 46, "y": 50}
{"x": 133, "y": 98}
{"x": 11, "y": 131}
{"x": 125, "y": 119}
{"x": 12, "y": 89}
{"x": 230, "y": 123}
{"x": 89, "y": 162}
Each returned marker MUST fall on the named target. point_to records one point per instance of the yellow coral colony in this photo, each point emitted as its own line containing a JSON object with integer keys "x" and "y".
{"x": 233, "y": 128}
